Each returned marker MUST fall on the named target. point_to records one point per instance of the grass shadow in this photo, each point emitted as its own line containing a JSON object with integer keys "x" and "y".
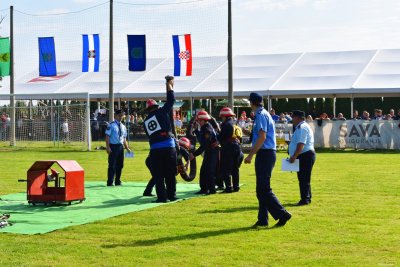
{"x": 230, "y": 210}
{"x": 157, "y": 241}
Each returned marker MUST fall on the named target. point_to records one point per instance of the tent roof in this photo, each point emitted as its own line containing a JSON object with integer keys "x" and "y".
{"x": 340, "y": 73}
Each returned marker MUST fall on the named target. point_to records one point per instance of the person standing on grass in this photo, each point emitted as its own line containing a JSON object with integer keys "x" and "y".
{"x": 264, "y": 147}
{"x": 163, "y": 159}
{"x": 115, "y": 142}
{"x": 302, "y": 147}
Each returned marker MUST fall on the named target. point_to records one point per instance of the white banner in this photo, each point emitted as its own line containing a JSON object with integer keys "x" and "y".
{"x": 357, "y": 134}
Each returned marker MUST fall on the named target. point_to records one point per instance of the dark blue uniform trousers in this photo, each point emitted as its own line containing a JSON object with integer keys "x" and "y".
{"x": 208, "y": 170}
{"x": 306, "y": 163}
{"x": 163, "y": 169}
{"x": 231, "y": 159}
{"x": 115, "y": 164}
{"x": 267, "y": 201}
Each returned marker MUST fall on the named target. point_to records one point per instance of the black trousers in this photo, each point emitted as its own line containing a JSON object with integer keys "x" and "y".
{"x": 306, "y": 162}
{"x": 231, "y": 159}
{"x": 267, "y": 201}
{"x": 208, "y": 170}
{"x": 163, "y": 166}
{"x": 115, "y": 164}
{"x": 152, "y": 182}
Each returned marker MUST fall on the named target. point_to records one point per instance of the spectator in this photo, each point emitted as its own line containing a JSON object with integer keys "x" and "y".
{"x": 273, "y": 115}
{"x": 178, "y": 122}
{"x": 309, "y": 118}
{"x": 391, "y": 113}
{"x": 288, "y": 117}
{"x": 398, "y": 115}
{"x": 282, "y": 118}
{"x": 378, "y": 114}
{"x": 340, "y": 117}
{"x": 387, "y": 117}
{"x": 324, "y": 116}
{"x": 252, "y": 115}
{"x": 365, "y": 116}
{"x": 355, "y": 115}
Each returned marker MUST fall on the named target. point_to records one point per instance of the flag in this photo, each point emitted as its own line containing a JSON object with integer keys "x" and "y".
{"x": 91, "y": 53}
{"x": 4, "y": 56}
{"x": 47, "y": 57}
{"x": 182, "y": 55}
{"x": 137, "y": 52}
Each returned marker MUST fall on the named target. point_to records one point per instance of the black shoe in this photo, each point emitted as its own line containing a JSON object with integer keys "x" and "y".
{"x": 227, "y": 191}
{"x": 146, "y": 194}
{"x": 303, "y": 203}
{"x": 220, "y": 188}
{"x": 201, "y": 192}
{"x": 212, "y": 192}
{"x": 236, "y": 189}
{"x": 259, "y": 224}
{"x": 118, "y": 183}
{"x": 283, "y": 220}
{"x": 110, "y": 185}
{"x": 174, "y": 199}
{"x": 160, "y": 201}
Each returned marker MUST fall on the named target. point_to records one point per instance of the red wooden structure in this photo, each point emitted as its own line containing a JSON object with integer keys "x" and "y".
{"x": 45, "y": 185}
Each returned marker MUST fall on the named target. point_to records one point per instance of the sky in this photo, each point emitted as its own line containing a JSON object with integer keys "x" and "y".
{"x": 282, "y": 26}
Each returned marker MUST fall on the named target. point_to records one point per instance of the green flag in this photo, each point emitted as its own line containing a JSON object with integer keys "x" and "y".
{"x": 4, "y": 57}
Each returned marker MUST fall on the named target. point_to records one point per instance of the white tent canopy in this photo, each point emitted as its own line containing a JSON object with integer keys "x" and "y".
{"x": 315, "y": 74}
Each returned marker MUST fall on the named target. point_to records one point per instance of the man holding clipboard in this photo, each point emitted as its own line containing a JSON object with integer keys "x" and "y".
{"x": 302, "y": 147}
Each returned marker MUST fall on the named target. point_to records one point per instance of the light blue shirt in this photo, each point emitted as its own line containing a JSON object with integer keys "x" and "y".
{"x": 304, "y": 135}
{"x": 113, "y": 131}
{"x": 264, "y": 122}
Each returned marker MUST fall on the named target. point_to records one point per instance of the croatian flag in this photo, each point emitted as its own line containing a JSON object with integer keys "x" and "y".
{"x": 182, "y": 55}
{"x": 91, "y": 53}
{"x": 47, "y": 57}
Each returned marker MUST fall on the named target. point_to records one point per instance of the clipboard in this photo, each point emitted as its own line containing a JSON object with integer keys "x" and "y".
{"x": 290, "y": 167}
{"x": 129, "y": 154}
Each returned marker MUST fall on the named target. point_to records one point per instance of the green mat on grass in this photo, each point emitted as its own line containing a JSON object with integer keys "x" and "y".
{"x": 101, "y": 203}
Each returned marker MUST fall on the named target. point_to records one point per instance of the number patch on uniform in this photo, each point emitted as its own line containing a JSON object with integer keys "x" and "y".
{"x": 152, "y": 125}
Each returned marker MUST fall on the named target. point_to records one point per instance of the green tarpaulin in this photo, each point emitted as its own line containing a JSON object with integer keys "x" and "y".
{"x": 101, "y": 202}
{"x": 4, "y": 57}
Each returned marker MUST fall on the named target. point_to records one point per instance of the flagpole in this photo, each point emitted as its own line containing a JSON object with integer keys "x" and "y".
{"x": 230, "y": 74}
{"x": 12, "y": 96}
{"x": 111, "y": 69}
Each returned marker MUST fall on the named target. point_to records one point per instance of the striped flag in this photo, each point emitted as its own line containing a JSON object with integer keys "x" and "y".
{"x": 182, "y": 55}
{"x": 4, "y": 57}
{"x": 47, "y": 57}
{"x": 91, "y": 53}
{"x": 137, "y": 52}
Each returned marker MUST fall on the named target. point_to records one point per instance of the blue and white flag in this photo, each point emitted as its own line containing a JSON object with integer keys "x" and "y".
{"x": 182, "y": 55}
{"x": 137, "y": 52}
{"x": 91, "y": 53}
{"x": 47, "y": 57}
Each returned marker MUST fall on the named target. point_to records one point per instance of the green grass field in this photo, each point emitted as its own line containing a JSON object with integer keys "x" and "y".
{"x": 354, "y": 219}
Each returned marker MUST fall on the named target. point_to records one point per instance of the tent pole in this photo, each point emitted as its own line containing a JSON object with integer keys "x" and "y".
{"x": 191, "y": 109}
{"x": 88, "y": 131}
{"x": 334, "y": 106}
{"x": 209, "y": 107}
{"x": 352, "y": 105}
{"x": 12, "y": 96}
{"x": 111, "y": 69}
{"x": 230, "y": 63}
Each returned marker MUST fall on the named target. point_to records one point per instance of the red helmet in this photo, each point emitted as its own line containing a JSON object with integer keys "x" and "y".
{"x": 226, "y": 112}
{"x": 151, "y": 103}
{"x": 203, "y": 115}
{"x": 184, "y": 142}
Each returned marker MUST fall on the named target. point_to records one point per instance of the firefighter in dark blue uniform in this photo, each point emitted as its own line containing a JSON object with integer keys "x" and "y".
{"x": 157, "y": 126}
{"x": 115, "y": 142}
{"x": 209, "y": 145}
{"x": 231, "y": 152}
{"x": 264, "y": 146}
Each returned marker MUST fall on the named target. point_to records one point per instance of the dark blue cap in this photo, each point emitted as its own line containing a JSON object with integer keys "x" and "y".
{"x": 255, "y": 98}
{"x": 298, "y": 113}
